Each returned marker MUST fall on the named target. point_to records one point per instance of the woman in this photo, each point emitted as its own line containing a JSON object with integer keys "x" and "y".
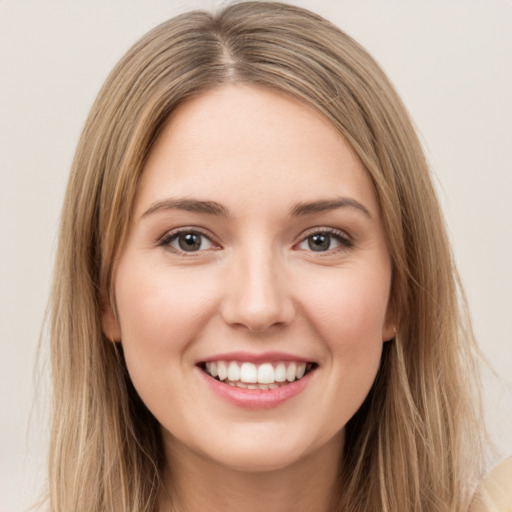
{"x": 255, "y": 304}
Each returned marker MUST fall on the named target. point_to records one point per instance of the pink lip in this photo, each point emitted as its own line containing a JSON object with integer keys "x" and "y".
{"x": 265, "y": 357}
{"x": 256, "y": 398}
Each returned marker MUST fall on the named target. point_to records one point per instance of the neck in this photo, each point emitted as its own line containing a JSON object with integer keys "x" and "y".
{"x": 195, "y": 484}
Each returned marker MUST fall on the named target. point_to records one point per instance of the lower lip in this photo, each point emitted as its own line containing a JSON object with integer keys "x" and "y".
{"x": 257, "y": 398}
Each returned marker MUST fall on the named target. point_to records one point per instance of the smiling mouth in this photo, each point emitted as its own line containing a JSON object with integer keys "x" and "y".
{"x": 265, "y": 376}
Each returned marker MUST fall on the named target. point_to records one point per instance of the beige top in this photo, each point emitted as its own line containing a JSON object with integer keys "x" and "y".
{"x": 494, "y": 494}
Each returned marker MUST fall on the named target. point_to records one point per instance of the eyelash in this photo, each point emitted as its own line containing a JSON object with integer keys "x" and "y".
{"x": 341, "y": 237}
{"x": 168, "y": 238}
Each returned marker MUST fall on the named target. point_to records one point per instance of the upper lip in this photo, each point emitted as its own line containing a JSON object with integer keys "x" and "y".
{"x": 264, "y": 357}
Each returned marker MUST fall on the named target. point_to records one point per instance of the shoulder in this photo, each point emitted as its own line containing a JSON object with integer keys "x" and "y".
{"x": 494, "y": 494}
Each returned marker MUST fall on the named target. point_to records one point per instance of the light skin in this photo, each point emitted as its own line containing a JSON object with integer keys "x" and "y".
{"x": 281, "y": 249}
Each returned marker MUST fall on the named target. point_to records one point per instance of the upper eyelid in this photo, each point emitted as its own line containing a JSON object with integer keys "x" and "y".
{"x": 206, "y": 233}
{"x": 168, "y": 235}
{"x": 324, "y": 229}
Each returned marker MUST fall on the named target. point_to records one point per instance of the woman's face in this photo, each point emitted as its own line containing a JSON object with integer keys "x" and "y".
{"x": 256, "y": 254}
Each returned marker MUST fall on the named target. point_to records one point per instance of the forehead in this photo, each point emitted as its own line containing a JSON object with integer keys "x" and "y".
{"x": 244, "y": 144}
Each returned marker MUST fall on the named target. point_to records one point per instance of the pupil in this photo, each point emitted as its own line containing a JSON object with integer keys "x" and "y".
{"x": 319, "y": 242}
{"x": 189, "y": 242}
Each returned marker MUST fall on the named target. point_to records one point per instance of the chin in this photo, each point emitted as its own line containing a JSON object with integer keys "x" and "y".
{"x": 264, "y": 451}
{"x": 258, "y": 460}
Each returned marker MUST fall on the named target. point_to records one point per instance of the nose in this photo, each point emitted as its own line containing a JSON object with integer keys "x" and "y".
{"x": 257, "y": 294}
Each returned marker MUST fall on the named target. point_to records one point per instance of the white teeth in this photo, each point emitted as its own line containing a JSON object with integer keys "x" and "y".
{"x": 280, "y": 373}
{"x": 233, "y": 371}
{"x": 222, "y": 370}
{"x": 248, "y": 373}
{"x": 266, "y": 374}
{"x": 239, "y": 384}
{"x": 301, "y": 370}
{"x": 290, "y": 372}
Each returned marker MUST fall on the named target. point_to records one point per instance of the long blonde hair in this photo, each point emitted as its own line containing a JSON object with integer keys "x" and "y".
{"x": 415, "y": 444}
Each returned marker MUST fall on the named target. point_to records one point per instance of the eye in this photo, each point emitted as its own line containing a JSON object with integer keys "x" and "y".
{"x": 187, "y": 241}
{"x": 325, "y": 240}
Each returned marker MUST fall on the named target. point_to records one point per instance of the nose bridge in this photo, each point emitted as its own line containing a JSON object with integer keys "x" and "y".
{"x": 257, "y": 295}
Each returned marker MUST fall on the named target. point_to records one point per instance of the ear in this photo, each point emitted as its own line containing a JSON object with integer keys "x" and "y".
{"x": 390, "y": 326}
{"x": 388, "y": 332}
{"x": 111, "y": 326}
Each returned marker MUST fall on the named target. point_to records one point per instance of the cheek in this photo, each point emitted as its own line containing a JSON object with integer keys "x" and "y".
{"x": 160, "y": 309}
{"x": 349, "y": 315}
{"x": 349, "y": 308}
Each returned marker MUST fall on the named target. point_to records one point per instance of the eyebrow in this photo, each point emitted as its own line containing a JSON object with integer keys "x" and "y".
{"x": 217, "y": 209}
{"x": 314, "y": 207}
{"x": 189, "y": 205}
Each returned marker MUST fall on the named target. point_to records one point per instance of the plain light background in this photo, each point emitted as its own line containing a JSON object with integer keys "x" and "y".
{"x": 451, "y": 60}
